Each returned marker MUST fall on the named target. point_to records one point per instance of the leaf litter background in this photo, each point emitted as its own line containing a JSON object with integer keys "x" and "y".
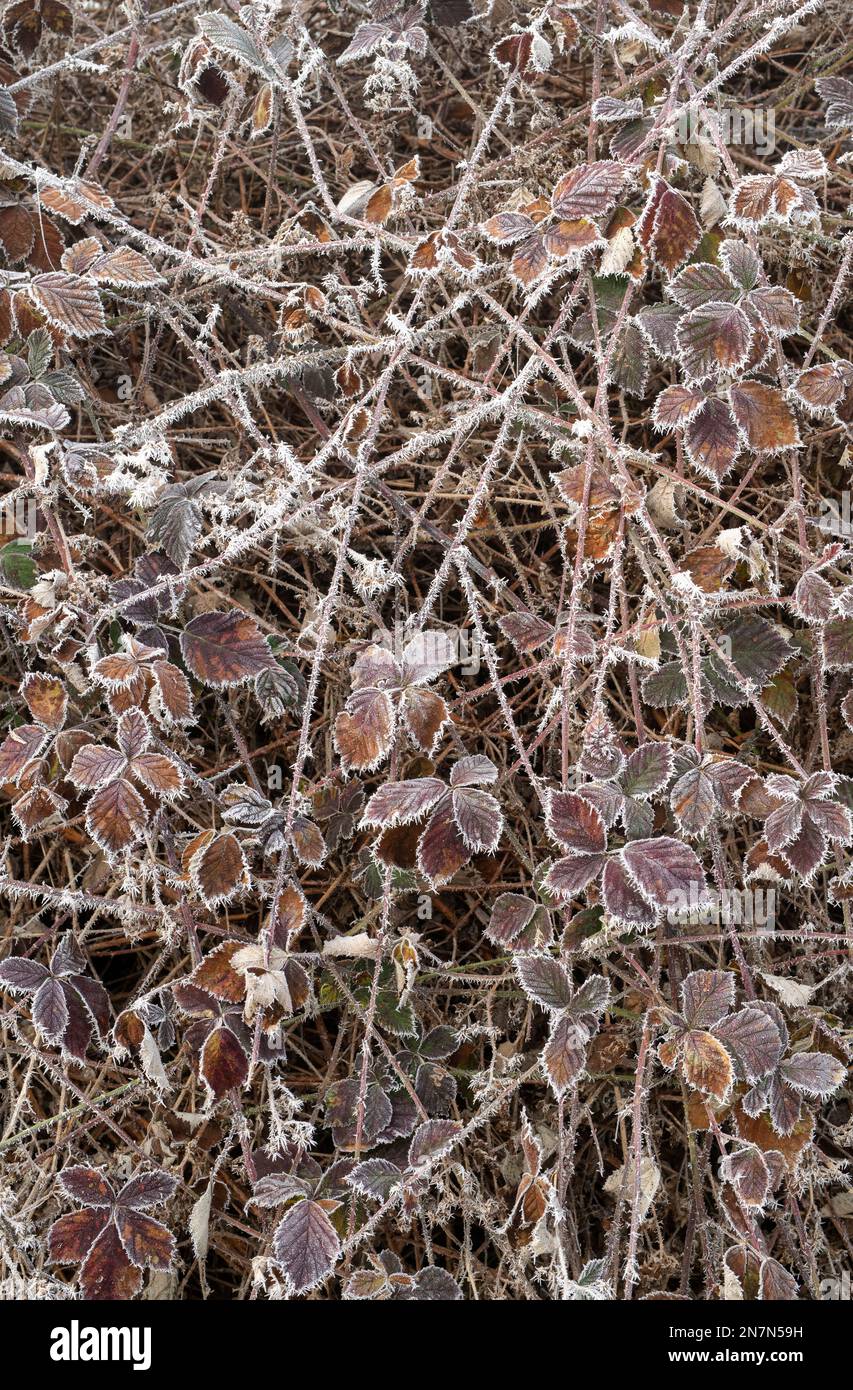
{"x": 425, "y": 441}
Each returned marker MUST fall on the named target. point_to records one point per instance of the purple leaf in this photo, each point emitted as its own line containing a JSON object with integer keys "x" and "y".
{"x": 510, "y": 915}
{"x": 16, "y": 973}
{"x": 431, "y": 1140}
{"x": 664, "y": 870}
{"x": 815, "y": 1073}
{"x": 544, "y": 980}
{"x": 754, "y": 1040}
{"x": 478, "y": 817}
{"x": 706, "y": 997}
{"x": 576, "y": 824}
{"x": 146, "y": 1190}
{"x": 306, "y": 1245}
{"x": 568, "y": 877}
{"x": 622, "y": 899}
{"x": 50, "y": 1011}
{"x": 399, "y": 803}
{"x": 647, "y": 771}
{"x": 565, "y": 1053}
{"x": 475, "y": 771}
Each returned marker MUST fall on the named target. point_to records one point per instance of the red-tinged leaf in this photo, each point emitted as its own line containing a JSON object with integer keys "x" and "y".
{"x": 78, "y": 1031}
{"x": 777, "y": 308}
{"x": 159, "y": 774}
{"x": 748, "y": 1172}
{"x": 753, "y": 1039}
{"x": 753, "y": 199}
{"x": 478, "y": 817}
{"x": 677, "y": 406}
{"x": 71, "y": 1237}
{"x": 75, "y": 210}
{"x": 785, "y": 1105}
{"x": 511, "y": 913}
{"x": 506, "y": 227}
{"x": 526, "y": 631}
{"x": 707, "y": 1064}
{"x": 306, "y": 1245}
{"x": 570, "y": 876}
{"x": 146, "y": 1242}
{"x": 813, "y": 1073}
{"x": 19, "y": 974}
{"x": 664, "y": 870}
{"x": 50, "y": 1011}
{"x": 544, "y": 980}
{"x": 107, "y": 1272}
{"x": 716, "y": 337}
{"x": 116, "y": 816}
{"x": 764, "y": 417}
{"x": 832, "y": 819}
{"x": 35, "y": 807}
{"x": 474, "y": 771}
{"x": 147, "y": 1189}
{"x": 675, "y": 232}
{"x": 702, "y": 284}
{"x": 124, "y": 267}
{"x": 175, "y": 698}
{"x": 224, "y": 649}
{"x": 18, "y": 750}
{"x": 658, "y": 324}
{"x": 133, "y": 733}
{"x": 821, "y": 388}
{"x": 70, "y": 303}
{"x": 776, "y": 1284}
{"x": 364, "y": 732}
{"x": 47, "y": 700}
{"x": 623, "y": 901}
{"x": 216, "y": 975}
{"x": 218, "y": 869}
{"x": 806, "y": 851}
{"x": 118, "y": 670}
{"x": 432, "y": 1140}
{"x": 571, "y": 237}
{"x": 308, "y": 841}
{"x": 647, "y": 770}
{"x": 530, "y": 260}
{"x": 706, "y": 997}
{"x": 379, "y": 205}
{"x": 223, "y": 1064}
{"x": 89, "y": 1186}
{"x": 576, "y": 824}
{"x": 441, "y": 848}
{"x": 813, "y": 598}
{"x": 513, "y": 53}
{"x": 96, "y": 764}
{"x": 399, "y": 803}
{"x": 712, "y": 439}
{"x": 424, "y": 714}
{"x": 564, "y": 1055}
{"x": 590, "y": 190}
{"x": 693, "y": 801}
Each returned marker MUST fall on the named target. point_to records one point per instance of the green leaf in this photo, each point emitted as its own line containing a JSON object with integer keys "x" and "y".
{"x": 18, "y": 565}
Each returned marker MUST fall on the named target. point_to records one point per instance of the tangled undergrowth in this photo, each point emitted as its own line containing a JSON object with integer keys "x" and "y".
{"x": 427, "y": 606}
